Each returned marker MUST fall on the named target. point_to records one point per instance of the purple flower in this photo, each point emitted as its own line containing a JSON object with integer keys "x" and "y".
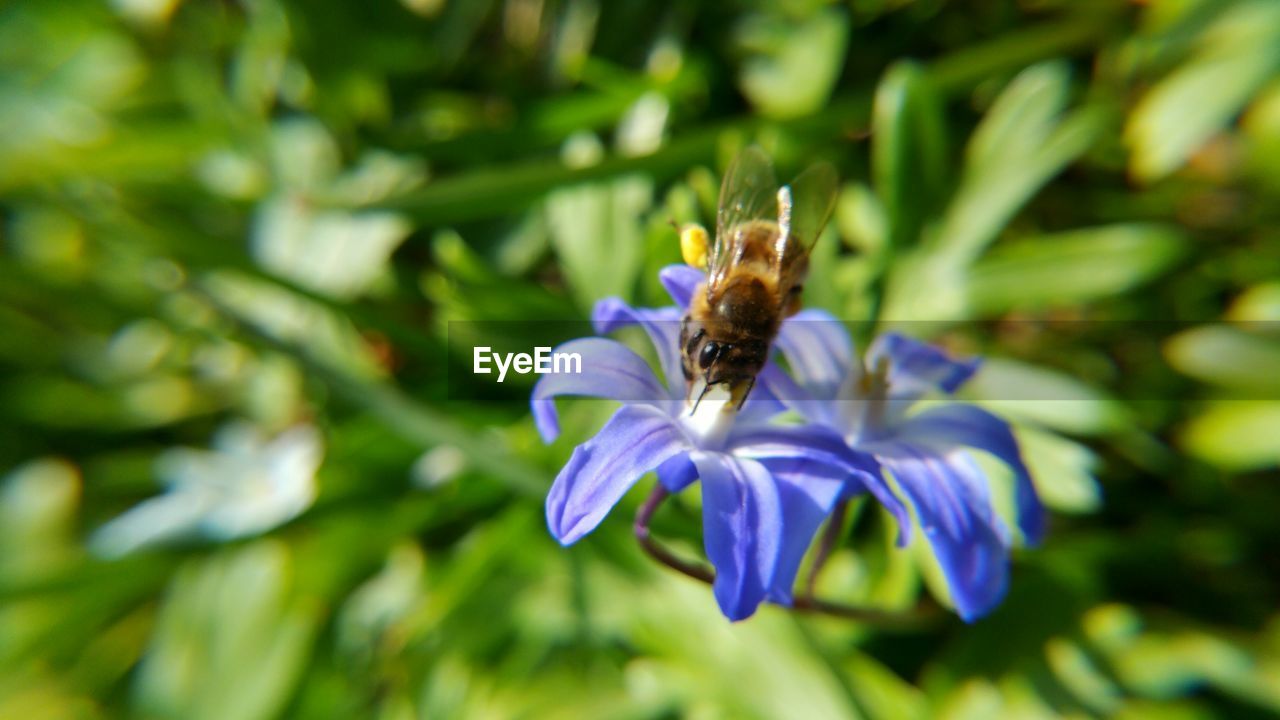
{"x": 765, "y": 488}
{"x": 868, "y": 403}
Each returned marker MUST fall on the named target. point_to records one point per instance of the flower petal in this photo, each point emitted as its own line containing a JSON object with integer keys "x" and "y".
{"x": 763, "y": 402}
{"x": 951, "y": 500}
{"x": 862, "y": 471}
{"x": 681, "y": 282}
{"x": 677, "y": 473}
{"x": 609, "y": 370}
{"x": 916, "y": 367}
{"x": 662, "y": 326}
{"x": 951, "y": 425}
{"x": 807, "y": 490}
{"x": 160, "y": 519}
{"x": 785, "y": 394}
{"x": 637, "y": 439}
{"x": 742, "y": 527}
{"x": 818, "y": 350}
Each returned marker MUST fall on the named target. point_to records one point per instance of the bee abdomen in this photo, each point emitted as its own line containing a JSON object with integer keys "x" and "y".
{"x": 748, "y": 306}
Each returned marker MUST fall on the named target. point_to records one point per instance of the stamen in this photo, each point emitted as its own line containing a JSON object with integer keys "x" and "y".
{"x": 868, "y": 406}
{"x": 877, "y": 393}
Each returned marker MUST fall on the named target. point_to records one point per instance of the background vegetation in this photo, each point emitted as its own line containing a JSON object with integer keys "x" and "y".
{"x": 268, "y": 212}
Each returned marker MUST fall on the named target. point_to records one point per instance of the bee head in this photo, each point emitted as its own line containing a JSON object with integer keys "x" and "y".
{"x": 718, "y": 358}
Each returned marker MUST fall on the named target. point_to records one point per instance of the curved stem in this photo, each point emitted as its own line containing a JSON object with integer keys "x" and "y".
{"x": 830, "y": 536}
{"x": 923, "y": 614}
{"x": 655, "y": 549}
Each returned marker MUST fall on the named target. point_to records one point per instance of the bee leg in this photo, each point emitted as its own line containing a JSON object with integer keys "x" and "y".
{"x": 705, "y": 387}
{"x": 742, "y": 399}
{"x": 693, "y": 245}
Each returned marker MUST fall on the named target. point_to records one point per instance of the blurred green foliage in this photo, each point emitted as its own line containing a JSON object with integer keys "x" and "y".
{"x": 270, "y": 210}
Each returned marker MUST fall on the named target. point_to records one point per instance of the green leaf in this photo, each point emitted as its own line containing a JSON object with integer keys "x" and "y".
{"x": 1019, "y": 120}
{"x": 1063, "y": 470}
{"x": 1020, "y": 144}
{"x": 882, "y": 693}
{"x": 39, "y": 502}
{"x": 998, "y": 184}
{"x": 1072, "y": 267}
{"x": 231, "y": 641}
{"x": 1046, "y": 397}
{"x": 1078, "y": 671}
{"x": 1260, "y": 303}
{"x": 1236, "y": 435}
{"x": 862, "y": 220}
{"x": 290, "y": 317}
{"x": 596, "y": 230}
{"x": 797, "y": 64}
{"x": 1237, "y": 55}
{"x": 976, "y": 699}
{"x": 908, "y": 149}
{"x": 1229, "y": 357}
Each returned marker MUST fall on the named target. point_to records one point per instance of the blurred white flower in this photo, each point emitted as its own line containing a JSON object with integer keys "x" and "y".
{"x": 336, "y": 252}
{"x": 245, "y": 485}
{"x": 437, "y": 467}
{"x": 305, "y": 229}
{"x": 641, "y": 128}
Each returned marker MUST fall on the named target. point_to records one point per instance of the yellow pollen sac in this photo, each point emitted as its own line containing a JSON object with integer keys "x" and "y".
{"x": 693, "y": 245}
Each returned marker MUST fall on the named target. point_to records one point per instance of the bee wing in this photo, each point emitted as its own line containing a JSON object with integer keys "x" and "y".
{"x": 749, "y": 192}
{"x": 804, "y": 208}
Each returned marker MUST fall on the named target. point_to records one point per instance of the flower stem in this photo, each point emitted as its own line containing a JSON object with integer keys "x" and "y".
{"x": 655, "y": 549}
{"x": 925, "y": 613}
{"x": 830, "y": 536}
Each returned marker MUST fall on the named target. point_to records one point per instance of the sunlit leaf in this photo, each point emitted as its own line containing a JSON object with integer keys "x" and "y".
{"x": 1072, "y": 267}
{"x": 796, "y": 64}
{"x": 1078, "y": 671}
{"x": 997, "y": 183}
{"x": 595, "y": 231}
{"x": 231, "y": 639}
{"x": 1023, "y": 141}
{"x": 1258, "y": 304}
{"x": 1239, "y": 358}
{"x": 1236, "y": 434}
{"x": 908, "y": 150}
{"x": 1235, "y": 57}
{"x": 1046, "y": 397}
{"x": 1064, "y": 471}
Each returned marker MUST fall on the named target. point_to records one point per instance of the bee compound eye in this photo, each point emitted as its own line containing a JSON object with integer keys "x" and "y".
{"x": 708, "y": 354}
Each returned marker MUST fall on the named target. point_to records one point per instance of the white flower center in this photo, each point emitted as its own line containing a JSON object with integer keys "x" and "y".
{"x": 866, "y": 411}
{"x": 709, "y": 420}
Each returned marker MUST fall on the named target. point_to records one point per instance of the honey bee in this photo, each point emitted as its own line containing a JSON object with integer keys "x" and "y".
{"x": 755, "y": 271}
